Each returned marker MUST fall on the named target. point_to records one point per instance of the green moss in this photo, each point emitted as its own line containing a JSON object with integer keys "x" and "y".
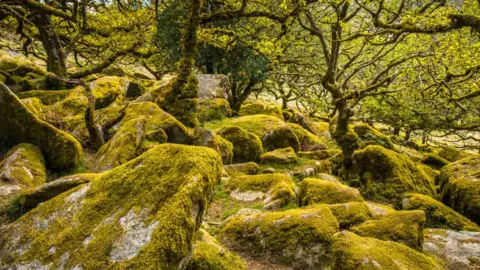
{"x": 308, "y": 141}
{"x": 273, "y": 132}
{"x": 208, "y": 138}
{"x": 438, "y": 214}
{"x": 451, "y": 153}
{"x": 379, "y": 210}
{"x": 246, "y": 145}
{"x": 351, "y": 213}
{"x": 35, "y": 106}
{"x": 370, "y": 135}
{"x": 251, "y": 107}
{"x": 208, "y": 254}
{"x": 405, "y": 227}
{"x": 284, "y": 155}
{"x": 22, "y": 168}
{"x": 320, "y": 154}
{"x": 157, "y": 199}
{"x": 313, "y": 191}
{"x": 213, "y": 109}
{"x": 434, "y": 160}
{"x": 353, "y": 252}
{"x": 297, "y": 237}
{"x": 387, "y": 175}
{"x": 248, "y": 168}
{"x": 277, "y": 189}
{"x": 61, "y": 150}
{"x": 460, "y": 186}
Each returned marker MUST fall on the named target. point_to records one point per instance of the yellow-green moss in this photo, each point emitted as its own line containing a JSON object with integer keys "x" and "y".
{"x": 313, "y": 191}
{"x": 251, "y": 107}
{"x": 19, "y": 124}
{"x": 405, "y": 227}
{"x": 208, "y": 254}
{"x": 284, "y": 155}
{"x": 299, "y": 237}
{"x": 353, "y": 252}
{"x": 308, "y": 141}
{"x": 435, "y": 160}
{"x": 370, "y": 135}
{"x": 35, "y": 106}
{"x": 48, "y": 97}
{"x": 166, "y": 190}
{"x": 320, "y": 154}
{"x": 460, "y": 186}
{"x": 213, "y": 109}
{"x": 246, "y": 145}
{"x": 248, "y": 168}
{"x": 438, "y": 214}
{"x": 208, "y": 138}
{"x": 351, "y": 213}
{"x": 387, "y": 175}
{"x": 451, "y": 153}
{"x": 273, "y": 132}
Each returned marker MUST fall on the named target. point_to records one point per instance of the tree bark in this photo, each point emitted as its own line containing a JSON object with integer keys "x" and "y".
{"x": 53, "y": 48}
{"x": 407, "y": 134}
{"x": 396, "y": 131}
{"x": 346, "y": 138}
{"x": 94, "y": 130}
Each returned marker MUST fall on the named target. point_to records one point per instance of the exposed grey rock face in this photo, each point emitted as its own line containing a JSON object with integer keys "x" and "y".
{"x": 460, "y": 250}
{"x": 213, "y": 86}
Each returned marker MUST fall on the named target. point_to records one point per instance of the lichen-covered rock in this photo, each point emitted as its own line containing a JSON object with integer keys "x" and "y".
{"x": 435, "y": 160}
{"x": 255, "y": 106}
{"x": 48, "y": 97}
{"x": 438, "y": 214}
{"x": 276, "y": 190}
{"x": 246, "y": 145}
{"x": 208, "y": 254}
{"x": 18, "y": 124}
{"x": 305, "y": 122}
{"x": 248, "y": 168}
{"x": 299, "y": 238}
{"x": 141, "y": 215}
{"x": 459, "y": 250}
{"x": 387, "y": 175}
{"x": 351, "y": 213}
{"x": 213, "y": 109}
{"x": 369, "y": 135}
{"x": 405, "y": 227}
{"x": 213, "y": 86}
{"x": 329, "y": 178}
{"x": 460, "y": 186}
{"x": 354, "y": 252}
{"x": 379, "y": 210}
{"x": 273, "y": 132}
{"x": 452, "y": 154}
{"x": 22, "y": 168}
{"x": 320, "y": 154}
{"x": 308, "y": 141}
{"x": 207, "y": 138}
{"x": 41, "y": 194}
{"x": 314, "y": 191}
{"x": 283, "y": 156}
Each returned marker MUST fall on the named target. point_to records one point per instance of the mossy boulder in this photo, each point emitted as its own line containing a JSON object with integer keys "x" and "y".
{"x": 438, "y": 214}
{"x": 460, "y": 186}
{"x": 405, "y": 227}
{"x": 213, "y": 86}
{"x": 256, "y": 106}
{"x": 134, "y": 89}
{"x": 209, "y": 254}
{"x": 272, "y": 131}
{"x": 355, "y": 252}
{"x": 299, "y": 238}
{"x": 313, "y": 191}
{"x": 283, "y": 156}
{"x": 387, "y": 175}
{"x": 434, "y": 160}
{"x": 213, "y": 109}
{"x": 379, "y": 210}
{"x": 246, "y": 145}
{"x": 452, "y": 154}
{"x": 459, "y": 250}
{"x": 22, "y": 168}
{"x": 207, "y": 138}
{"x": 276, "y": 190}
{"x": 305, "y": 122}
{"x": 369, "y": 135}
{"x": 248, "y": 168}
{"x": 35, "y": 106}
{"x": 352, "y": 213}
{"x": 18, "y": 124}
{"x": 308, "y": 141}
{"x": 48, "y": 97}
{"x": 320, "y": 154}
{"x": 141, "y": 215}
